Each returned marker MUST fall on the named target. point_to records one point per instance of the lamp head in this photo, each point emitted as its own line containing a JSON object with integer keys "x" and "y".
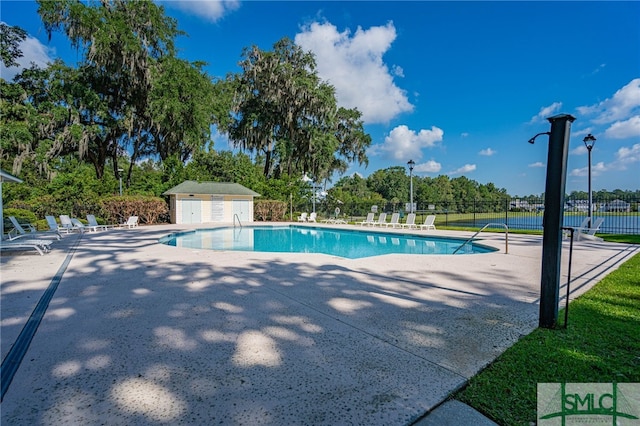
{"x": 589, "y": 141}
{"x": 411, "y": 164}
{"x": 533, "y": 139}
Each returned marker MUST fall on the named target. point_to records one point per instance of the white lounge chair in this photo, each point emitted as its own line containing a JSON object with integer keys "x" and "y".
{"x": 589, "y": 233}
{"x": 312, "y": 217}
{"x": 68, "y": 224}
{"x": 93, "y": 223}
{"x": 132, "y": 222}
{"x": 78, "y": 225}
{"x": 428, "y": 222}
{"x": 53, "y": 225}
{"x": 382, "y": 220}
{"x": 15, "y": 241}
{"x": 303, "y": 217}
{"x": 368, "y": 221}
{"x": 411, "y": 221}
{"x": 32, "y": 229}
{"x": 22, "y": 244}
{"x": 395, "y": 221}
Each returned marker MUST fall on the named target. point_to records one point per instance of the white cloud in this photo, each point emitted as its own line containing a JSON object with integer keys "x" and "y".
{"x": 211, "y": 10}
{"x": 596, "y": 170}
{"x": 580, "y": 150}
{"x": 623, "y": 104}
{"x": 464, "y": 169}
{"x": 487, "y": 152}
{"x": 353, "y": 64}
{"x": 33, "y": 52}
{"x": 546, "y": 112}
{"x": 597, "y": 70}
{"x": 430, "y": 166}
{"x": 624, "y": 129}
{"x": 398, "y": 71}
{"x": 403, "y": 143}
{"x": 537, "y": 164}
{"x": 626, "y": 156}
{"x": 464, "y": 134}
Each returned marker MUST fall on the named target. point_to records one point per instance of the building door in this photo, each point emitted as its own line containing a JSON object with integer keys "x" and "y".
{"x": 241, "y": 208}
{"x": 191, "y": 210}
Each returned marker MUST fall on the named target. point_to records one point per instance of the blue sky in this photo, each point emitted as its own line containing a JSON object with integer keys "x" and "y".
{"x": 459, "y": 87}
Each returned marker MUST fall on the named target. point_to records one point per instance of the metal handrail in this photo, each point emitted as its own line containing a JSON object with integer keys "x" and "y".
{"x": 506, "y": 237}
{"x": 235, "y": 216}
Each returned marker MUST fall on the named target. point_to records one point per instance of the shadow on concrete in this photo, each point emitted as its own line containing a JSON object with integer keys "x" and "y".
{"x": 142, "y": 333}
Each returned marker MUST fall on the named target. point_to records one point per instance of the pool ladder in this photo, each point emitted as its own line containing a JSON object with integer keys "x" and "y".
{"x": 235, "y": 216}
{"x": 506, "y": 237}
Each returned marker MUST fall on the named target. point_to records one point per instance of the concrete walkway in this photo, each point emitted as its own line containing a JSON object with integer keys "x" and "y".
{"x": 147, "y": 334}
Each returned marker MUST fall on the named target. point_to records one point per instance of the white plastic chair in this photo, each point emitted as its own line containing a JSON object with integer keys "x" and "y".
{"x": 395, "y": 221}
{"x": 368, "y": 221}
{"x": 382, "y": 220}
{"x": 589, "y": 233}
{"x": 93, "y": 223}
{"x": 411, "y": 221}
{"x": 132, "y": 222}
{"x": 68, "y": 224}
{"x": 32, "y": 230}
{"x": 428, "y": 222}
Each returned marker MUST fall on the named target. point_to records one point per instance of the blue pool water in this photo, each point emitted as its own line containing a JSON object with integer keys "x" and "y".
{"x": 352, "y": 244}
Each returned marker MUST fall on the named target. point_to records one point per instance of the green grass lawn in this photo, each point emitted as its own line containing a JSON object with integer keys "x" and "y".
{"x": 601, "y": 344}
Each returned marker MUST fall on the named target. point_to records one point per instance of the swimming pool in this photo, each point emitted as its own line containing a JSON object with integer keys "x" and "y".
{"x": 352, "y": 244}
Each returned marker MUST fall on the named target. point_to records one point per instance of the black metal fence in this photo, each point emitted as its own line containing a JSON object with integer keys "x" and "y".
{"x": 621, "y": 216}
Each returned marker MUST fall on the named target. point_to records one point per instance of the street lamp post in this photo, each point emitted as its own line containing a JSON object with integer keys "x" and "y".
{"x": 120, "y": 176}
{"x": 307, "y": 179}
{"x": 313, "y": 185}
{"x": 411, "y": 164}
{"x": 589, "y": 141}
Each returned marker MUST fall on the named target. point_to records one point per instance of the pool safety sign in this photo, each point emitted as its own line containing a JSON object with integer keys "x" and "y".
{"x": 616, "y": 404}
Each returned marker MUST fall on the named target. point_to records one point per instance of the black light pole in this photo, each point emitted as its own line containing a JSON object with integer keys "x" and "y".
{"x": 411, "y": 164}
{"x": 589, "y": 141}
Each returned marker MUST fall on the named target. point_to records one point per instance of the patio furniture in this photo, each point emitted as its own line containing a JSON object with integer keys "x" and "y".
{"x": 67, "y": 223}
{"x": 368, "y": 221}
{"x": 382, "y": 220}
{"x": 428, "y": 222}
{"x": 395, "y": 221}
{"x": 411, "y": 221}
{"x": 132, "y": 222}
{"x": 93, "y": 223}
{"x": 32, "y": 229}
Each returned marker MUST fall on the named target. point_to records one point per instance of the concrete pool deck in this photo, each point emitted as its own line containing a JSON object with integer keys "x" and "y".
{"x": 142, "y": 333}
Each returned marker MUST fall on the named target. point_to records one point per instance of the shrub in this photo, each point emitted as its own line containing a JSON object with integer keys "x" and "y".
{"x": 273, "y": 210}
{"x": 21, "y": 215}
{"x": 148, "y": 209}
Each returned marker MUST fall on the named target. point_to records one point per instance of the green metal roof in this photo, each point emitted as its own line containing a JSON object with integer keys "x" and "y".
{"x": 212, "y": 188}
